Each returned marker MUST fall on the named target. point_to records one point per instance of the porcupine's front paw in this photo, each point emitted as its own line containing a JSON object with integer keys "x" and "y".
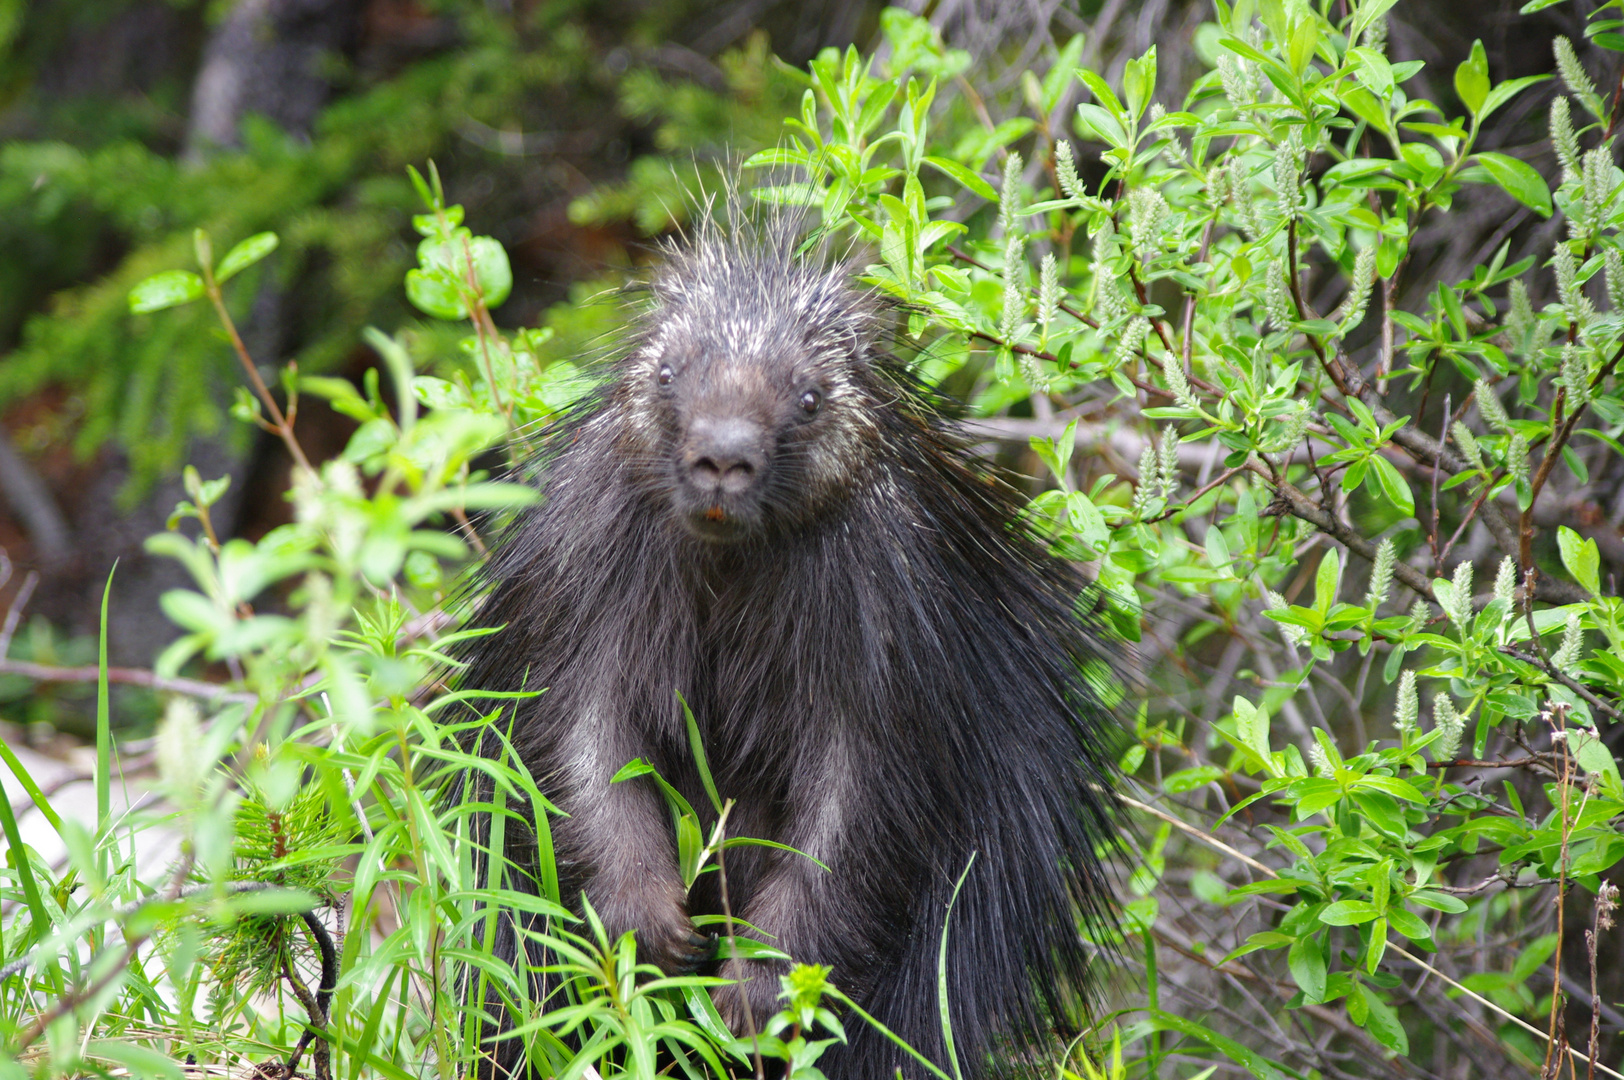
{"x": 666, "y": 937}
{"x": 677, "y": 949}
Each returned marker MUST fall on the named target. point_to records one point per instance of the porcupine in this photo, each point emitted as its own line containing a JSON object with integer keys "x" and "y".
{"x": 765, "y": 511}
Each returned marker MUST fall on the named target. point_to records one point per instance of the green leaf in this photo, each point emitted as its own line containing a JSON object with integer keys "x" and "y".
{"x": 1472, "y": 79}
{"x": 1307, "y": 963}
{"x": 1249, "y": 1059}
{"x": 1326, "y": 580}
{"x": 1520, "y": 180}
{"x": 1348, "y": 913}
{"x": 1591, "y": 753}
{"x": 492, "y": 270}
{"x": 137, "y": 1060}
{"x": 171, "y": 288}
{"x": 244, "y": 255}
{"x": 1366, "y": 16}
{"x": 1266, "y": 887}
{"x": 963, "y": 176}
{"x": 1381, "y": 1021}
{"x": 1252, "y": 725}
{"x": 1378, "y": 945}
{"x": 1408, "y": 923}
{"x": 1304, "y": 40}
{"x": 1372, "y": 70}
{"x": 1101, "y": 91}
{"x": 1139, "y": 82}
{"x": 1505, "y": 92}
{"x": 434, "y": 295}
{"x": 1391, "y": 785}
{"x": 1268, "y": 939}
{"x": 1438, "y": 901}
{"x": 1102, "y": 125}
{"x": 1189, "y": 779}
{"x": 1054, "y": 82}
{"x": 1393, "y": 485}
{"x": 1365, "y": 105}
{"x": 1582, "y": 558}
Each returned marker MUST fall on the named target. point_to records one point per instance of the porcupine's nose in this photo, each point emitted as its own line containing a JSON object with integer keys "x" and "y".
{"x": 724, "y": 456}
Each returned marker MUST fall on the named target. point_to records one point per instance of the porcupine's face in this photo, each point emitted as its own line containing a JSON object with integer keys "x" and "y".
{"x": 748, "y": 392}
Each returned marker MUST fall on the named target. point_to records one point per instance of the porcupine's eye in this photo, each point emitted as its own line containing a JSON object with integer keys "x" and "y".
{"x": 665, "y": 376}
{"x": 810, "y": 402}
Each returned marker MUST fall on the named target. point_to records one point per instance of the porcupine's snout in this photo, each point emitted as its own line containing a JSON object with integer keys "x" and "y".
{"x": 722, "y": 464}
{"x": 725, "y": 456}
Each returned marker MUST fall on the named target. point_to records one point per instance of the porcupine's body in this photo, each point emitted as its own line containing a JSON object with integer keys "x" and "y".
{"x": 765, "y": 512}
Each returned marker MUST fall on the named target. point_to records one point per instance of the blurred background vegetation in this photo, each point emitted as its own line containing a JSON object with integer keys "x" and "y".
{"x": 572, "y": 130}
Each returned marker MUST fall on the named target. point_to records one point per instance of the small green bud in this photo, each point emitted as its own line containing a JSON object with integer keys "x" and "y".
{"x": 1352, "y": 311}
{"x": 1572, "y": 71}
{"x": 1241, "y": 184}
{"x": 1147, "y": 212}
{"x": 1381, "y": 575}
{"x": 1292, "y": 427}
{"x": 1505, "y": 582}
{"x": 1566, "y": 657}
{"x": 1468, "y": 444}
{"x": 1288, "y": 167}
{"x": 1167, "y": 464}
{"x": 1574, "y": 301}
{"x": 1376, "y": 34}
{"x": 1048, "y": 290}
{"x": 1275, "y": 602}
{"x": 1517, "y": 458}
{"x": 1277, "y": 297}
{"x": 1014, "y": 285}
{"x": 1173, "y": 373}
{"x": 1598, "y": 187}
{"x": 1133, "y": 336}
{"x": 1065, "y": 167}
{"x": 1575, "y": 375}
{"x": 1489, "y": 407}
{"x": 1564, "y": 140}
{"x": 1521, "y": 322}
{"x": 1010, "y": 194}
{"x": 1450, "y": 724}
{"x": 1407, "y": 712}
{"x": 1236, "y": 81}
{"x": 1320, "y": 760}
{"x": 1460, "y": 611}
{"x": 1143, "y": 491}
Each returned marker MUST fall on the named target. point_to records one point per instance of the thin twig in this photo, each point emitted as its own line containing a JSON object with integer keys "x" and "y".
{"x": 1566, "y": 680}
{"x": 49, "y": 673}
{"x": 281, "y": 425}
{"x": 14, "y": 613}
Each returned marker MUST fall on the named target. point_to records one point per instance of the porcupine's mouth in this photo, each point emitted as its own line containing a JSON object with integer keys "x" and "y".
{"x": 716, "y": 524}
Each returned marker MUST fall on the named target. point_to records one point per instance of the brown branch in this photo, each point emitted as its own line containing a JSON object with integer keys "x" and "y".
{"x": 1562, "y": 677}
{"x": 49, "y": 673}
{"x": 1289, "y": 500}
{"x": 282, "y": 426}
{"x": 1189, "y": 300}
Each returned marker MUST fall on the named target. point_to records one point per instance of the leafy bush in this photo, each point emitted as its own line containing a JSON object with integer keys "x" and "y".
{"x": 1178, "y": 303}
